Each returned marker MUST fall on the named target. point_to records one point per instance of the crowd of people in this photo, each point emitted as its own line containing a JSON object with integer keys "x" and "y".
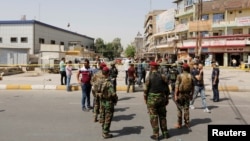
{"x": 181, "y": 81}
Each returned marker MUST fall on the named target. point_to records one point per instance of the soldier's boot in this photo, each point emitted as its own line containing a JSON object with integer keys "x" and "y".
{"x": 128, "y": 89}
{"x": 107, "y": 135}
{"x": 155, "y": 137}
{"x": 165, "y": 135}
{"x": 187, "y": 125}
{"x": 95, "y": 119}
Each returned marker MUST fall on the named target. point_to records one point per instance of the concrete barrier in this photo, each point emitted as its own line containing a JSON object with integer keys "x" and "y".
{"x": 76, "y": 87}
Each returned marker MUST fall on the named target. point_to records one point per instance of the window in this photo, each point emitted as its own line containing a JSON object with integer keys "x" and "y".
{"x": 24, "y": 40}
{"x": 41, "y": 41}
{"x": 218, "y": 17}
{"x": 204, "y": 34}
{"x": 1, "y": 40}
{"x": 184, "y": 21}
{"x": 237, "y": 31}
{"x": 205, "y": 17}
{"x": 61, "y": 43}
{"x": 189, "y": 2}
{"x": 53, "y": 42}
{"x": 13, "y": 39}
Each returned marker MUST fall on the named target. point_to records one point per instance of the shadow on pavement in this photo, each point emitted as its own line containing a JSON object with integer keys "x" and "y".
{"x": 125, "y": 98}
{"x": 223, "y": 99}
{"x": 176, "y": 132}
{"x": 121, "y": 109}
{"x": 128, "y": 131}
{"x": 123, "y": 117}
{"x": 2, "y": 110}
{"x": 194, "y": 122}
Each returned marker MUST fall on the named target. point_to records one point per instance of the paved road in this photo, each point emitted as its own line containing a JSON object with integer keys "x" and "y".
{"x": 56, "y": 116}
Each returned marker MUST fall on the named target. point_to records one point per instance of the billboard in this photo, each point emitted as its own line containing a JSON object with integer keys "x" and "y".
{"x": 242, "y": 21}
{"x": 195, "y": 26}
{"x": 165, "y": 21}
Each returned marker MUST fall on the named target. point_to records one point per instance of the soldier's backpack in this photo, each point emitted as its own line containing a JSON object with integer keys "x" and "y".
{"x": 172, "y": 75}
{"x": 186, "y": 84}
{"x": 101, "y": 87}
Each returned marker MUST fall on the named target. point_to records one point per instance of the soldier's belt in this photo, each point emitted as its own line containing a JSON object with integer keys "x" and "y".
{"x": 155, "y": 94}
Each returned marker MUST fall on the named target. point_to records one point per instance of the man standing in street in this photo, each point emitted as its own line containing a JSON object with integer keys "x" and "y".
{"x": 131, "y": 77}
{"x": 199, "y": 87}
{"x": 96, "y": 102}
{"x": 215, "y": 82}
{"x": 86, "y": 73}
{"x": 183, "y": 93}
{"x": 108, "y": 99}
{"x": 62, "y": 66}
{"x": 156, "y": 94}
{"x": 126, "y": 66}
{"x": 113, "y": 74}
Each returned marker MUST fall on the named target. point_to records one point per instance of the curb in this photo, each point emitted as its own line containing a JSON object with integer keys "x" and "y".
{"x": 118, "y": 88}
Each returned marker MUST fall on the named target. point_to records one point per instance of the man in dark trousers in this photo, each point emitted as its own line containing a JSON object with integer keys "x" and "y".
{"x": 184, "y": 88}
{"x": 156, "y": 94}
{"x": 113, "y": 74}
{"x": 108, "y": 99}
{"x": 62, "y": 66}
{"x": 215, "y": 82}
{"x": 131, "y": 77}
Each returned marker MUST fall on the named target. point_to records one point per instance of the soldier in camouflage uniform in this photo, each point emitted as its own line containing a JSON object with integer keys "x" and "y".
{"x": 96, "y": 102}
{"x": 108, "y": 100}
{"x": 156, "y": 93}
{"x": 171, "y": 76}
{"x": 113, "y": 74}
{"x": 182, "y": 99}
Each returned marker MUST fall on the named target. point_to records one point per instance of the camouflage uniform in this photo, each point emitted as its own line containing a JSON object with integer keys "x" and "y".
{"x": 108, "y": 100}
{"x": 96, "y": 101}
{"x": 113, "y": 75}
{"x": 182, "y": 102}
{"x": 156, "y": 100}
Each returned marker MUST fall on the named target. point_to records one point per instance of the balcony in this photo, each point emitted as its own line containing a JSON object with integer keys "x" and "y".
{"x": 221, "y": 24}
{"x": 185, "y": 11}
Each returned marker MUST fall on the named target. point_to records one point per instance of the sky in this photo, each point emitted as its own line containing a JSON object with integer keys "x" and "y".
{"x": 106, "y": 19}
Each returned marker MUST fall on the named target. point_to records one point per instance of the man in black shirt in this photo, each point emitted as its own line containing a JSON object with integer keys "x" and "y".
{"x": 215, "y": 82}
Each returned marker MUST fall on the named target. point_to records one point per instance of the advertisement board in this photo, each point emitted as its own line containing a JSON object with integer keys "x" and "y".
{"x": 165, "y": 21}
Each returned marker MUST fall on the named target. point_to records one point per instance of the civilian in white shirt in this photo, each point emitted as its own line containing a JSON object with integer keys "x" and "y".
{"x": 126, "y": 66}
{"x": 68, "y": 74}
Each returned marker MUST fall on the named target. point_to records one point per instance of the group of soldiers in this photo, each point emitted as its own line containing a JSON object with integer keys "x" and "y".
{"x": 162, "y": 82}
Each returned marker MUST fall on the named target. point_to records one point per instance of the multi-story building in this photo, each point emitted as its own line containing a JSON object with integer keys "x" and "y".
{"x": 150, "y": 29}
{"x": 138, "y": 44}
{"x": 20, "y": 38}
{"x": 226, "y": 36}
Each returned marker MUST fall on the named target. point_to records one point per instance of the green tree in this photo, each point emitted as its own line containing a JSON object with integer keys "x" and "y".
{"x": 109, "y": 50}
{"x": 99, "y": 45}
{"x": 130, "y": 51}
{"x": 117, "y": 47}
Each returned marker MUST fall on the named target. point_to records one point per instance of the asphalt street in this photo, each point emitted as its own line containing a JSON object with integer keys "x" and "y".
{"x": 51, "y": 115}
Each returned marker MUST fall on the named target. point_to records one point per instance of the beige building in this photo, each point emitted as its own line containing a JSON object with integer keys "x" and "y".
{"x": 149, "y": 31}
{"x": 224, "y": 30}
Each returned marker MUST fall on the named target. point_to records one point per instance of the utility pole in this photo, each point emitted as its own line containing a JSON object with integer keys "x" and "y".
{"x": 198, "y": 34}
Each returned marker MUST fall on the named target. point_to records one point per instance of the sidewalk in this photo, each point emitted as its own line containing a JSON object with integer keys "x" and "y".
{"x": 230, "y": 80}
